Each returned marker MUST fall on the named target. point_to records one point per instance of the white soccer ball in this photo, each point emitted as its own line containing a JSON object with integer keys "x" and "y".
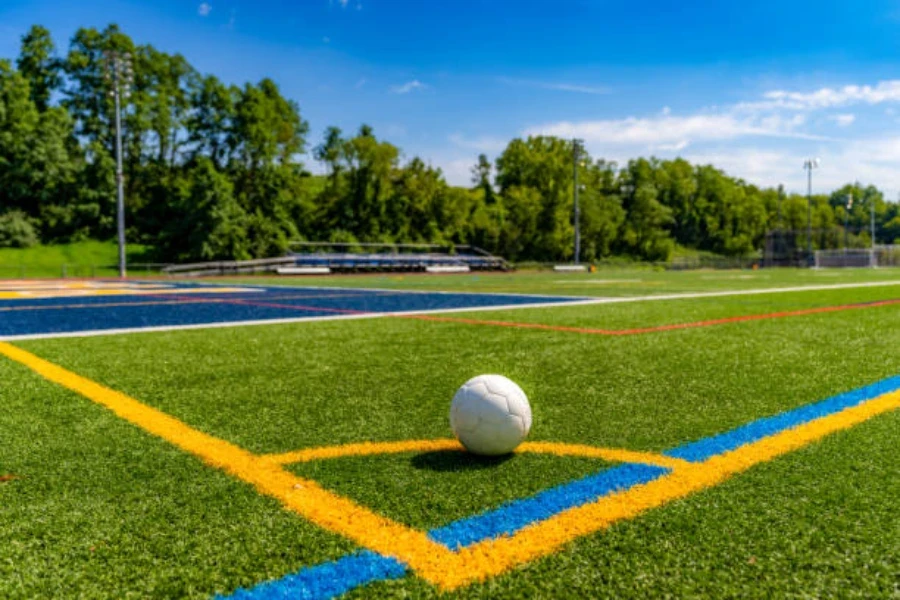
{"x": 490, "y": 415}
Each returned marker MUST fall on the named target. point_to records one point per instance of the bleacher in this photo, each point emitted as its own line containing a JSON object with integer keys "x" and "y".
{"x": 316, "y": 258}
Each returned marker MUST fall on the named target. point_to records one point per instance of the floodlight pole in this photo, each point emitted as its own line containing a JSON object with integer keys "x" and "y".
{"x": 809, "y": 165}
{"x": 120, "y": 200}
{"x": 119, "y": 67}
{"x": 847, "y": 220}
{"x": 576, "y": 157}
{"x": 872, "y": 218}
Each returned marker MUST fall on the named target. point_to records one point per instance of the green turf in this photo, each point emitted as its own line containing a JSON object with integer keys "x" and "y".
{"x": 819, "y": 522}
{"x": 431, "y": 489}
{"x": 631, "y": 281}
{"x": 78, "y": 259}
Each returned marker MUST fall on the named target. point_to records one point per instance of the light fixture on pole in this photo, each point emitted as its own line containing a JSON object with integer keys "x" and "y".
{"x": 809, "y": 164}
{"x": 577, "y": 147}
{"x": 120, "y": 75}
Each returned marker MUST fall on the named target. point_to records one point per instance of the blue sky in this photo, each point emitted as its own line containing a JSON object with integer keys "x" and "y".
{"x": 752, "y": 87}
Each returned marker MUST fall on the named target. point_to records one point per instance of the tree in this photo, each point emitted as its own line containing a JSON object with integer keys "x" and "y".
{"x": 644, "y": 232}
{"x": 481, "y": 178}
{"x": 210, "y": 118}
{"x": 543, "y": 164}
{"x": 210, "y": 224}
{"x": 39, "y": 65}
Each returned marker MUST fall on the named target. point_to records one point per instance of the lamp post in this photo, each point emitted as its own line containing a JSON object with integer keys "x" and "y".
{"x": 577, "y": 145}
{"x": 120, "y": 73}
{"x": 847, "y": 219}
{"x": 809, "y": 164}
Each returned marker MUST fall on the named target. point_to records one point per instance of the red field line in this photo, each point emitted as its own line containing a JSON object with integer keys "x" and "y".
{"x": 242, "y": 302}
{"x": 659, "y": 328}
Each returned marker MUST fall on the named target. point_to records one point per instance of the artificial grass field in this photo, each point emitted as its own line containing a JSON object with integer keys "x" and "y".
{"x": 607, "y": 281}
{"x": 102, "y": 509}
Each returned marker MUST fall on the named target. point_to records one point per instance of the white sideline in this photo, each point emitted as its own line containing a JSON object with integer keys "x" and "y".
{"x": 376, "y": 315}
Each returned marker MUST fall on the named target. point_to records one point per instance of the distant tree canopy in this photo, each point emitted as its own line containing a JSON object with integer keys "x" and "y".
{"x": 213, "y": 171}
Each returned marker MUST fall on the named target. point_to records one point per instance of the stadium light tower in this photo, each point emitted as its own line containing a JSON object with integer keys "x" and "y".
{"x": 847, "y": 219}
{"x": 120, "y": 74}
{"x": 577, "y": 147}
{"x": 809, "y": 164}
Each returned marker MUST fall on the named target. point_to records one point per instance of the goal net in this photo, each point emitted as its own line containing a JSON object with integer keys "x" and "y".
{"x": 879, "y": 256}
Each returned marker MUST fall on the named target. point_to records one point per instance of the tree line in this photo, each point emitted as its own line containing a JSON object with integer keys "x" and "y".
{"x": 215, "y": 171}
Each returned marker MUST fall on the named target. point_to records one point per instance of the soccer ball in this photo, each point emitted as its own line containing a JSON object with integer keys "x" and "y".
{"x": 490, "y": 415}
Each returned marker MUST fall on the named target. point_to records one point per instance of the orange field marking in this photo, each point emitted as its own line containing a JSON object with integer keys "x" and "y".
{"x": 656, "y": 328}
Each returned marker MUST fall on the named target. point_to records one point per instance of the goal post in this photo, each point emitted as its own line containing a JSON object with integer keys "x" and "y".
{"x": 879, "y": 256}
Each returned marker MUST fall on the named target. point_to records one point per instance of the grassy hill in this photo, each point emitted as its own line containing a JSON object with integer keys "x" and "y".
{"x": 78, "y": 259}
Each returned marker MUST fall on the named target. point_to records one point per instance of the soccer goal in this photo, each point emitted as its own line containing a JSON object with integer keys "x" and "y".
{"x": 879, "y": 256}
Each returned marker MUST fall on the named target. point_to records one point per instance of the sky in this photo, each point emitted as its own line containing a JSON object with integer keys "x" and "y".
{"x": 754, "y": 88}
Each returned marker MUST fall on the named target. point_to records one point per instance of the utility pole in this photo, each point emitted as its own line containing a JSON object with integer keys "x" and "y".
{"x": 872, "y": 218}
{"x": 809, "y": 164}
{"x": 576, "y": 158}
{"x": 119, "y": 70}
{"x": 847, "y": 219}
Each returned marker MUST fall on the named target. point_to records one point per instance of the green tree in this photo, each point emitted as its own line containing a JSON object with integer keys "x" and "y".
{"x": 210, "y": 224}
{"x": 39, "y": 65}
{"x": 644, "y": 232}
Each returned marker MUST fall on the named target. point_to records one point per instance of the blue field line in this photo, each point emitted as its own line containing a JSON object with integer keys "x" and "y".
{"x": 328, "y": 579}
{"x": 332, "y": 579}
{"x": 325, "y": 580}
{"x": 706, "y": 448}
{"x": 513, "y": 516}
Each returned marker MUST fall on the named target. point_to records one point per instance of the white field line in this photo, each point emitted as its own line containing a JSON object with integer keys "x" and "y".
{"x": 376, "y": 315}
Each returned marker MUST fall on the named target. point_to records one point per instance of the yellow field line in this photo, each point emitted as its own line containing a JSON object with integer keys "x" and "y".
{"x": 493, "y": 557}
{"x": 430, "y": 560}
{"x": 305, "y": 497}
{"x": 47, "y": 294}
{"x": 362, "y": 449}
{"x": 445, "y": 445}
{"x": 608, "y": 454}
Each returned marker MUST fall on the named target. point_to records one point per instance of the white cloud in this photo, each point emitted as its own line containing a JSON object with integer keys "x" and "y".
{"x": 359, "y": 84}
{"x": 457, "y": 171}
{"x": 673, "y": 131}
{"x": 408, "y": 87}
{"x": 887, "y": 91}
{"x": 870, "y": 161}
{"x": 843, "y": 120}
{"x": 485, "y": 144}
{"x": 204, "y": 9}
{"x": 557, "y": 86}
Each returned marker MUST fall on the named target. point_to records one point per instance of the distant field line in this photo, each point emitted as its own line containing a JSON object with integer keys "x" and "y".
{"x": 575, "y": 301}
{"x": 661, "y": 328}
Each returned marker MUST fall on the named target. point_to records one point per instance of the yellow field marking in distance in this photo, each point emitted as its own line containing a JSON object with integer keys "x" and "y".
{"x": 433, "y": 561}
{"x": 19, "y": 290}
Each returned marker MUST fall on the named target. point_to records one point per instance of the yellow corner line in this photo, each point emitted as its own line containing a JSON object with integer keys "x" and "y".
{"x": 608, "y": 454}
{"x": 325, "y": 509}
{"x": 362, "y": 449}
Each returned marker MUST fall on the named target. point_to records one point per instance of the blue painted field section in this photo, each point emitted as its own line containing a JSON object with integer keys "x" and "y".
{"x": 46, "y": 308}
